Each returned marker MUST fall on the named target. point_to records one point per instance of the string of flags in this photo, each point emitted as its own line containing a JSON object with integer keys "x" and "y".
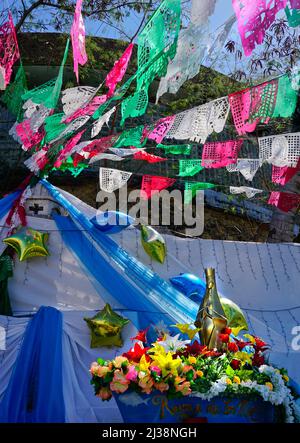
{"x": 56, "y": 140}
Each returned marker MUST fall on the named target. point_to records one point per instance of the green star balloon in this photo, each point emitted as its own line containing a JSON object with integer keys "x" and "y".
{"x": 106, "y": 327}
{"x": 153, "y": 243}
{"x": 28, "y": 242}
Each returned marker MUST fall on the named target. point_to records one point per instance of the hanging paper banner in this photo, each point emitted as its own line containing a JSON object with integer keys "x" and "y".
{"x": 176, "y": 149}
{"x": 253, "y": 105}
{"x": 198, "y": 123}
{"x": 112, "y": 179}
{"x": 285, "y": 201}
{"x": 125, "y": 152}
{"x": 2, "y": 79}
{"x": 191, "y": 188}
{"x": 12, "y": 96}
{"x": 88, "y": 109}
{"x": 67, "y": 150}
{"x": 17, "y": 213}
{"x": 78, "y": 39}
{"x": 91, "y": 148}
{"x": 201, "y": 11}
{"x": 75, "y": 98}
{"x": 287, "y": 97}
{"x": 188, "y": 168}
{"x": 37, "y": 161}
{"x": 104, "y": 119}
{"x": 220, "y": 154}
{"x": 152, "y": 184}
{"x": 27, "y": 137}
{"x": 160, "y": 129}
{"x": 117, "y": 73}
{"x": 254, "y": 19}
{"x": 282, "y": 175}
{"x": 246, "y": 166}
{"x": 149, "y": 158}
{"x": 280, "y": 150}
{"x": 105, "y": 156}
{"x": 131, "y": 137}
{"x": 293, "y": 14}
{"x": 9, "y": 50}
{"x": 250, "y": 192}
{"x": 156, "y": 46}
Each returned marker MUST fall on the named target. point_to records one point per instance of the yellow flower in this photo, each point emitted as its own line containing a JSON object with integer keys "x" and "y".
{"x": 285, "y": 378}
{"x": 250, "y": 338}
{"x": 144, "y": 365}
{"x": 269, "y": 385}
{"x": 236, "y": 379}
{"x": 192, "y": 360}
{"x": 167, "y": 364}
{"x": 157, "y": 349}
{"x": 184, "y": 328}
{"x": 199, "y": 373}
{"x": 244, "y": 357}
{"x": 228, "y": 381}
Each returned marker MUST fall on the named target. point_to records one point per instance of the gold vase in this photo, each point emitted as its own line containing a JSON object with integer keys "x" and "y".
{"x": 211, "y": 318}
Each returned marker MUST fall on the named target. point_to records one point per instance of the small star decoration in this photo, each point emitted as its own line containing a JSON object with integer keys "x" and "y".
{"x": 106, "y": 327}
{"x": 28, "y": 242}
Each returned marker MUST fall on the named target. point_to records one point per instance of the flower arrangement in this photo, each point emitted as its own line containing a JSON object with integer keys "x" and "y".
{"x": 179, "y": 368}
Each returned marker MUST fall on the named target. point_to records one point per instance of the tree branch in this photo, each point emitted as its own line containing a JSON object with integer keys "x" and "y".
{"x": 26, "y": 13}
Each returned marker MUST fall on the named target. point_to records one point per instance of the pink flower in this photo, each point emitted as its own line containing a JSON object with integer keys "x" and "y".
{"x": 155, "y": 369}
{"x": 161, "y": 386}
{"x": 105, "y": 393}
{"x": 94, "y": 368}
{"x": 131, "y": 374}
{"x": 119, "y": 383}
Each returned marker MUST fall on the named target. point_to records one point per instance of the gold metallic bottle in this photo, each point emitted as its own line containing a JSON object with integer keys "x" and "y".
{"x": 211, "y": 318}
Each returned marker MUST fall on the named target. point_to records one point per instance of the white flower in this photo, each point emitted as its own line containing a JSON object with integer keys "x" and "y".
{"x": 172, "y": 344}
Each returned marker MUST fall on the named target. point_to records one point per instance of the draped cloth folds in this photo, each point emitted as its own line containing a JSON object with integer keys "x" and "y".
{"x": 35, "y": 392}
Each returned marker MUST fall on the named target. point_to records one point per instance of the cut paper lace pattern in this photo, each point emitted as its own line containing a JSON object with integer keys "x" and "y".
{"x": 75, "y": 98}
{"x": 9, "y": 50}
{"x": 250, "y": 192}
{"x": 198, "y": 123}
{"x": 37, "y": 161}
{"x": 131, "y": 137}
{"x": 280, "y": 150}
{"x": 27, "y": 137}
{"x": 149, "y": 158}
{"x": 160, "y": 129}
{"x": 191, "y": 189}
{"x": 285, "y": 201}
{"x": 283, "y": 175}
{"x": 192, "y": 47}
{"x": 253, "y": 105}
{"x": 254, "y": 19}
{"x": 97, "y": 146}
{"x": 188, "y": 168}
{"x": 118, "y": 70}
{"x": 88, "y": 109}
{"x": 112, "y": 179}
{"x": 152, "y": 184}
{"x": 220, "y": 154}
{"x": 248, "y": 167}
{"x": 104, "y": 119}
{"x": 78, "y": 39}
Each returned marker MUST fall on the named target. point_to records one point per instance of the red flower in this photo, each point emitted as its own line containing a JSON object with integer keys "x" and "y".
{"x": 195, "y": 349}
{"x": 258, "y": 359}
{"x": 235, "y": 364}
{"x": 241, "y": 344}
{"x": 226, "y": 331}
{"x": 233, "y": 347}
{"x": 224, "y": 338}
{"x": 136, "y": 353}
{"x": 212, "y": 354}
{"x": 260, "y": 345}
{"x": 141, "y": 336}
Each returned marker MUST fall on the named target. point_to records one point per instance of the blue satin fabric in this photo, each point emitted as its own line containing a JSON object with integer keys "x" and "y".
{"x": 35, "y": 390}
{"x": 7, "y": 202}
{"x": 141, "y": 280}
